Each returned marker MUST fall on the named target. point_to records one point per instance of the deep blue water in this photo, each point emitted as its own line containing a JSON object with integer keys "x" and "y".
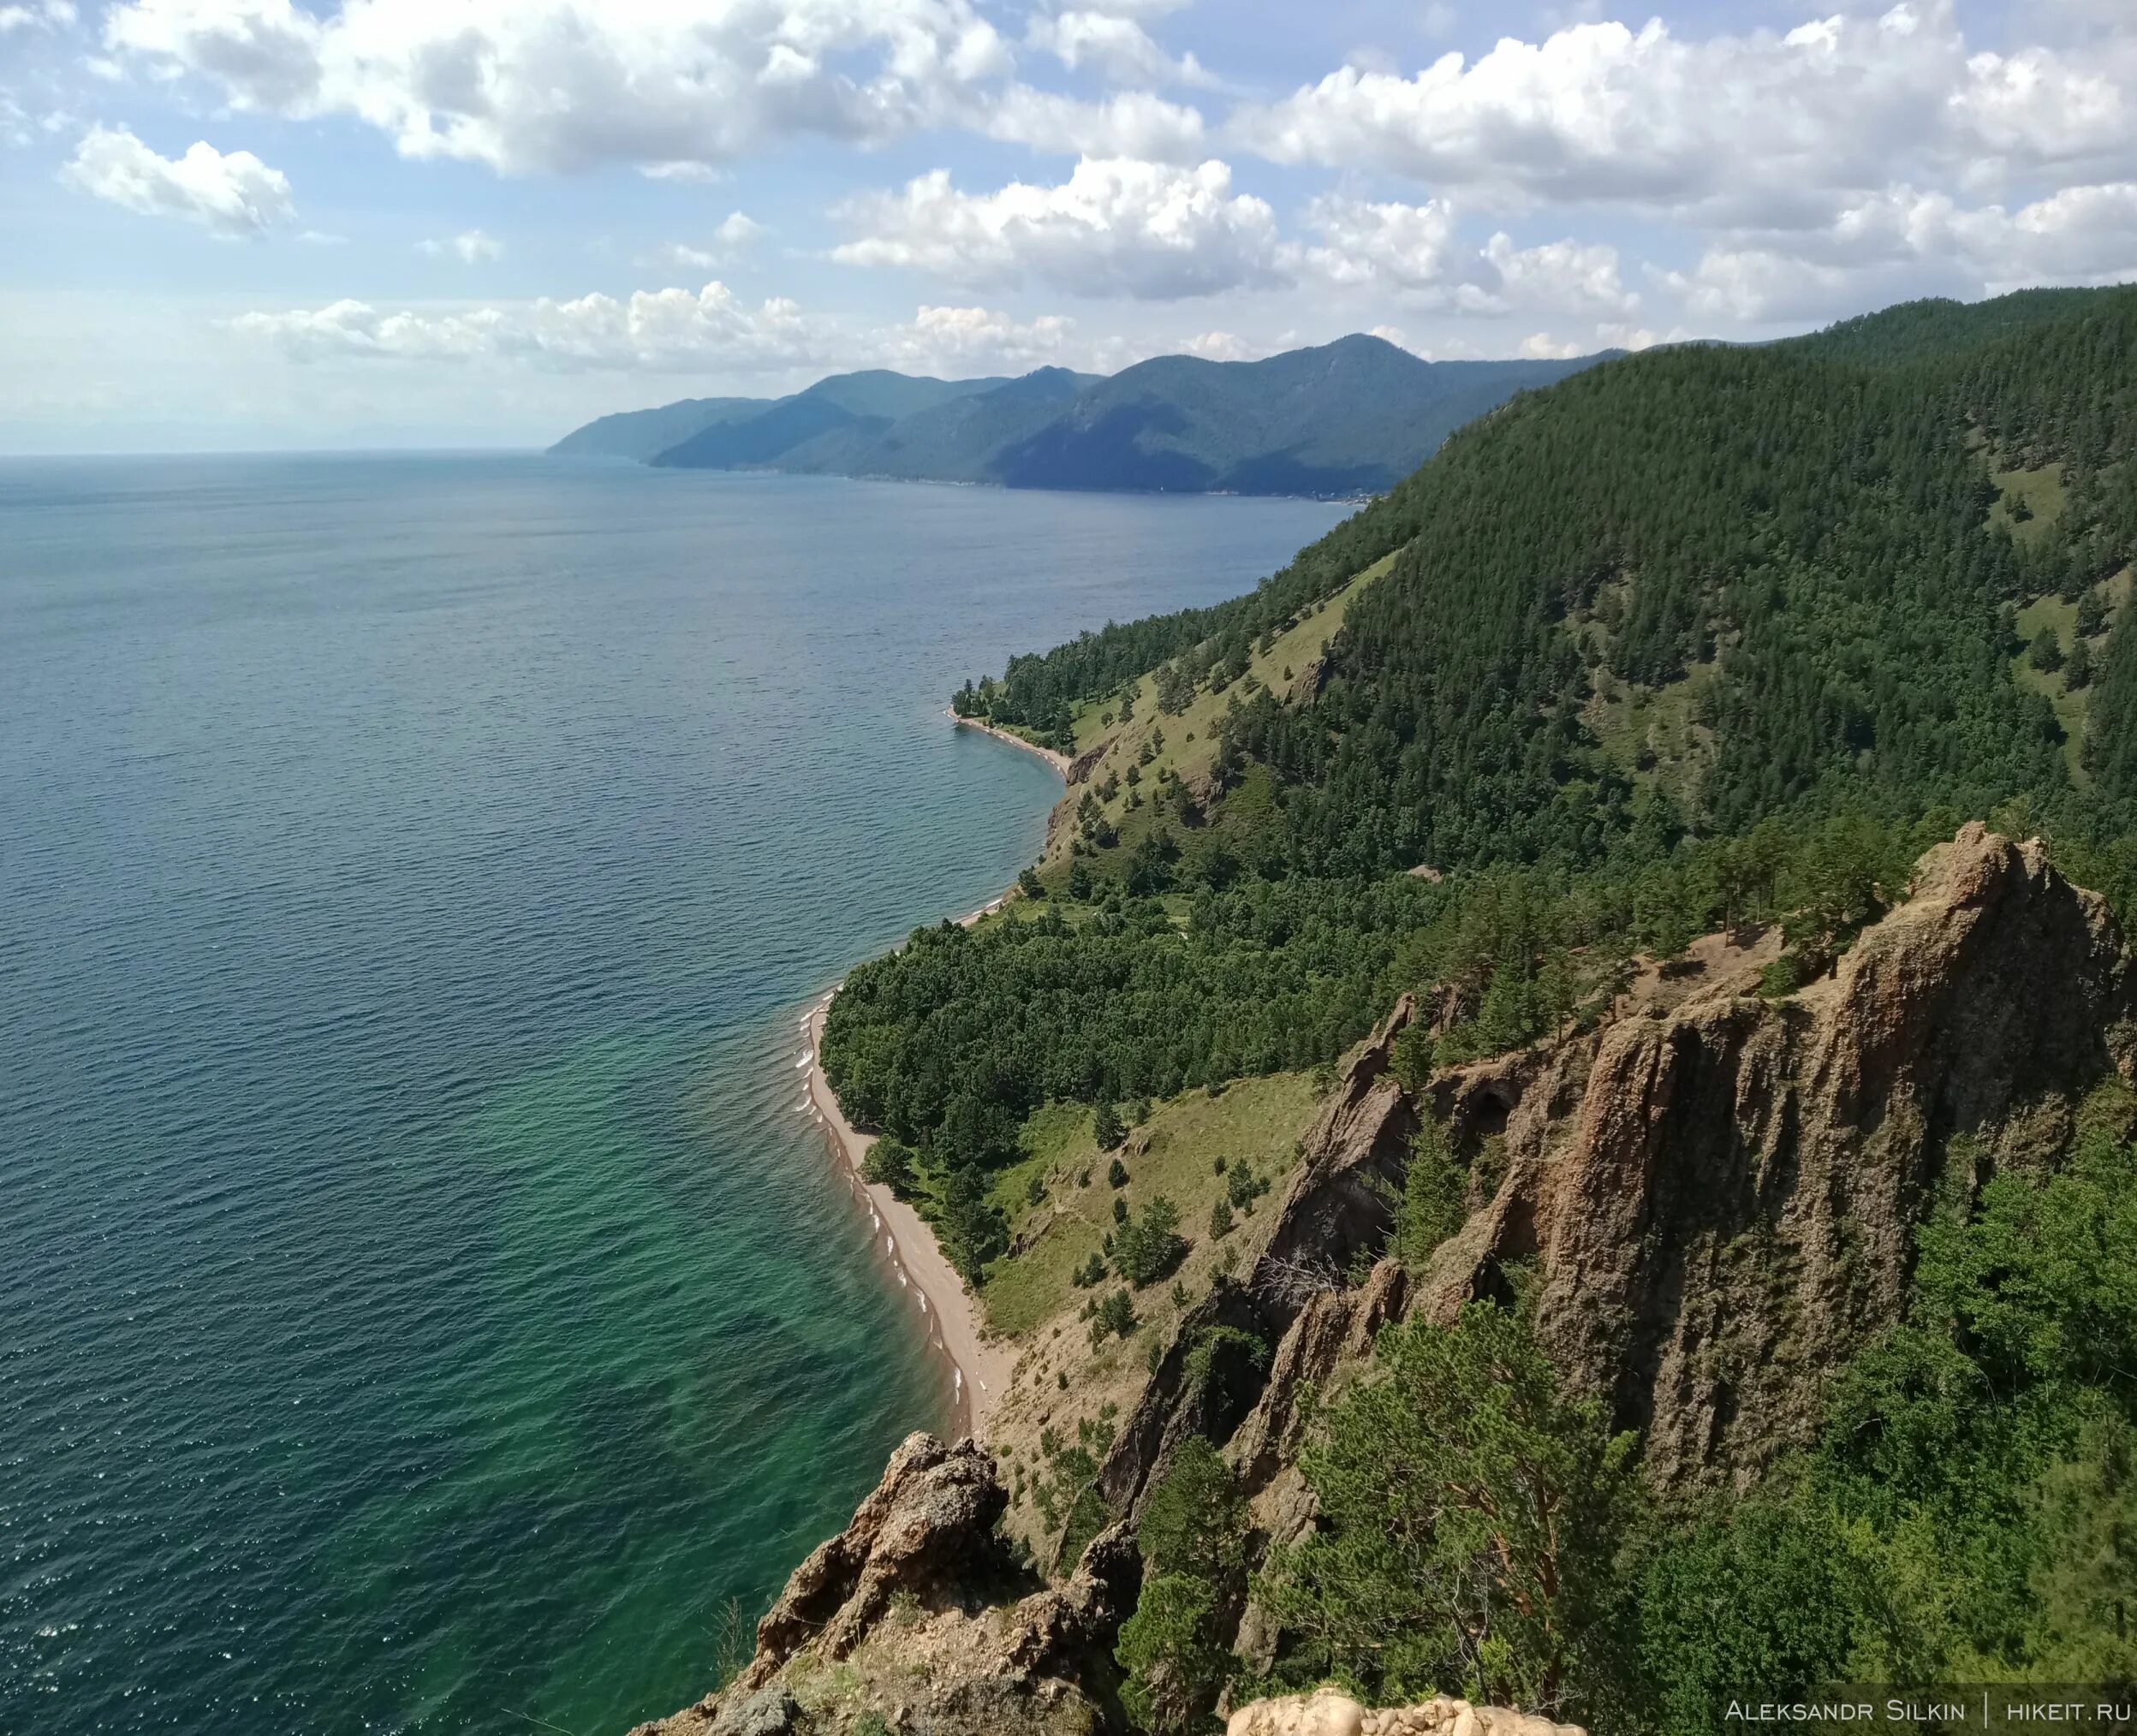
{"x": 421, "y": 1305}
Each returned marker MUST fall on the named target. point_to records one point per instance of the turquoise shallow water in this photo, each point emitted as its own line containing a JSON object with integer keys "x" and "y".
{"x": 420, "y": 1306}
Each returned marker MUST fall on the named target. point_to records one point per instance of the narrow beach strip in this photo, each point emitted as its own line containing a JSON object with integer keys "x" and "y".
{"x": 1060, "y": 761}
{"x": 981, "y": 1366}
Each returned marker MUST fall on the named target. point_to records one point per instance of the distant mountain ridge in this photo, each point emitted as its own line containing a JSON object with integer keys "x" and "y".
{"x": 1342, "y": 418}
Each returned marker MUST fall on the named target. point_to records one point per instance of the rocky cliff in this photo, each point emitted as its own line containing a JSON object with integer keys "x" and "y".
{"x": 1710, "y": 1191}
{"x": 915, "y": 1619}
{"x": 1718, "y": 1193}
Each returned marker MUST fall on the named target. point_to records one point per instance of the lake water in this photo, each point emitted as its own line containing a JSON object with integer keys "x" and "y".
{"x": 421, "y": 1307}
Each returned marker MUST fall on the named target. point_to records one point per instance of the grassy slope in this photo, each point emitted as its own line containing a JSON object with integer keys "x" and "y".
{"x": 1257, "y": 1122}
{"x": 1190, "y": 738}
{"x": 2042, "y": 490}
{"x": 1064, "y": 1379}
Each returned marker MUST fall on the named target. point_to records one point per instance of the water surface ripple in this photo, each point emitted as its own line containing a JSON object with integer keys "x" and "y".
{"x": 420, "y": 1307}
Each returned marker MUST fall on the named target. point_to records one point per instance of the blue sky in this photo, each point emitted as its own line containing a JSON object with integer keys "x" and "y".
{"x": 267, "y": 223}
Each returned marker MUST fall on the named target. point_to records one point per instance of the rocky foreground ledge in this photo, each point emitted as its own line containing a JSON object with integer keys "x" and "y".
{"x": 908, "y": 1623}
{"x": 1328, "y": 1713}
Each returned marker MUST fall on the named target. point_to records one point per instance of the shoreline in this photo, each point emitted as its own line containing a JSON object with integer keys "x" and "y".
{"x": 1060, "y": 761}
{"x": 980, "y": 1367}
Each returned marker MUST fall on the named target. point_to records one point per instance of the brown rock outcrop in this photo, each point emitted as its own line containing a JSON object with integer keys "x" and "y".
{"x": 1327, "y": 1712}
{"x": 906, "y": 1617}
{"x": 928, "y": 1526}
{"x": 1714, "y": 1195}
{"x": 1208, "y": 1382}
{"x": 1060, "y": 1630}
{"x": 1208, "y": 1378}
{"x": 1336, "y": 1205}
{"x": 1721, "y": 1197}
{"x": 1333, "y": 1326}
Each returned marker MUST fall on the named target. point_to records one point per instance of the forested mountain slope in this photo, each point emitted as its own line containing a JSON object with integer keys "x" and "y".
{"x": 1352, "y": 417}
{"x": 1689, "y": 589}
{"x": 643, "y": 434}
{"x": 1719, "y": 1140}
{"x": 1344, "y": 418}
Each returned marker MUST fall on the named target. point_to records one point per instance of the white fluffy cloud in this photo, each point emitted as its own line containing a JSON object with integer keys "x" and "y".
{"x": 470, "y": 247}
{"x": 234, "y": 195}
{"x": 1905, "y": 241}
{"x": 1415, "y": 250}
{"x": 657, "y": 330}
{"x": 1115, "y": 45}
{"x": 971, "y": 341}
{"x": 1541, "y": 346}
{"x": 1406, "y": 246}
{"x": 673, "y": 85}
{"x": 1761, "y": 123}
{"x": 1221, "y": 346}
{"x": 1128, "y": 124}
{"x": 1116, "y": 227}
{"x": 736, "y": 234}
{"x": 49, "y": 14}
{"x": 674, "y": 331}
{"x": 1560, "y": 274}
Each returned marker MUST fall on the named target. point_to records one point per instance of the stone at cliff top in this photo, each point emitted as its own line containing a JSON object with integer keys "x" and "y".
{"x": 930, "y": 1520}
{"x": 903, "y": 1619}
{"x": 1326, "y": 1712}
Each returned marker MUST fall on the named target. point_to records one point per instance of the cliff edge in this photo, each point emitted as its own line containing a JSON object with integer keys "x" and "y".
{"x": 1710, "y": 1192}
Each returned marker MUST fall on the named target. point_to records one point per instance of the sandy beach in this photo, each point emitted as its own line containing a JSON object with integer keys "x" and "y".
{"x": 1060, "y": 762}
{"x": 983, "y": 1364}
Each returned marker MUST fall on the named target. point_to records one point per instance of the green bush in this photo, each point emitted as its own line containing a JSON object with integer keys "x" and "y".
{"x": 1148, "y": 1248}
{"x": 1114, "y": 1316}
{"x": 1470, "y": 1515}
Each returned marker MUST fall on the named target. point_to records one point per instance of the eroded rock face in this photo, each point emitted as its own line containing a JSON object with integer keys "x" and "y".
{"x": 928, "y": 1527}
{"x": 1063, "y": 1630}
{"x": 1721, "y": 1198}
{"x": 1329, "y": 1713}
{"x": 1336, "y": 1205}
{"x": 1208, "y": 1378}
{"x": 907, "y": 1616}
{"x": 1717, "y": 1194}
{"x": 1333, "y": 1328}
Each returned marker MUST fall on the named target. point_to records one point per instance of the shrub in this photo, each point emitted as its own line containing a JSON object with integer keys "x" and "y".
{"x": 890, "y": 1164}
{"x": 1114, "y": 1316}
{"x": 1147, "y": 1249}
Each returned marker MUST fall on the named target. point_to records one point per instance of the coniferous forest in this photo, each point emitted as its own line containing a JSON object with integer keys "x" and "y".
{"x": 1706, "y": 637}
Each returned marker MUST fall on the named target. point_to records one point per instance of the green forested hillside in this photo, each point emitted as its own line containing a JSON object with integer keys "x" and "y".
{"x": 1707, "y": 638}
{"x": 642, "y": 434}
{"x": 1345, "y": 418}
{"x": 1693, "y": 634}
{"x": 1351, "y": 416}
{"x": 1815, "y": 552}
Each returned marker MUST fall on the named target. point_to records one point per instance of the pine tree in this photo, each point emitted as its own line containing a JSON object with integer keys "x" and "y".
{"x": 1106, "y": 1128}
